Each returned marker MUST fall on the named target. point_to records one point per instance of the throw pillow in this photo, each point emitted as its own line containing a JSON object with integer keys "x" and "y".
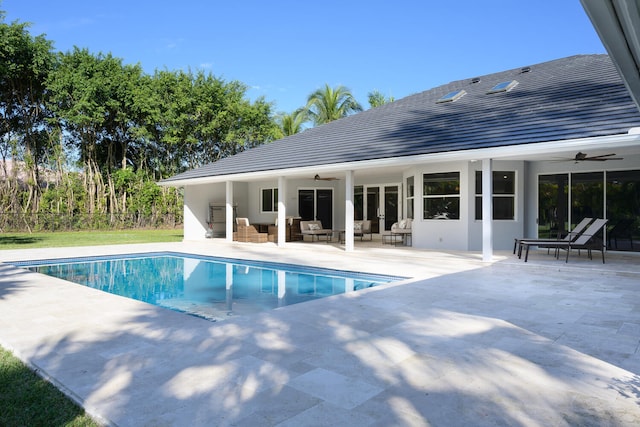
{"x": 357, "y": 226}
{"x": 314, "y": 227}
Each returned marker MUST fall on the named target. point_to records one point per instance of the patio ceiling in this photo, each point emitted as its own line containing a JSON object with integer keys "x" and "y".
{"x": 617, "y": 23}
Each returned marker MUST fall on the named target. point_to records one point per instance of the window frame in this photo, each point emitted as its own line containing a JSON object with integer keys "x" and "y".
{"x": 495, "y": 196}
{"x": 452, "y": 178}
{"x": 274, "y": 199}
{"x": 410, "y": 196}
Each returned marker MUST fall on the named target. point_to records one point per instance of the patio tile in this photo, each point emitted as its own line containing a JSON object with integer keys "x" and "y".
{"x": 462, "y": 343}
{"x": 339, "y": 390}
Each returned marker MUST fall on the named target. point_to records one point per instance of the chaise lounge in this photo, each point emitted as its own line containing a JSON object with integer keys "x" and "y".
{"x": 572, "y": 235}
{"x": 587, "y": 240}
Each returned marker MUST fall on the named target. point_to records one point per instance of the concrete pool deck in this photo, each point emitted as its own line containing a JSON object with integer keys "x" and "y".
{"x": 461, "y": 343}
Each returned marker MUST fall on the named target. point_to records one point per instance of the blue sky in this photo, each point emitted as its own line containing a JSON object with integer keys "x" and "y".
{"x": 285, "y": 50}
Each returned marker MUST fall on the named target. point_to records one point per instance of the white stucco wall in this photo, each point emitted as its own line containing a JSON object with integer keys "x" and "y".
{"x": 198, "y": 198}
{"x": 435, "y": 233}
{"x": 504, "y": 231}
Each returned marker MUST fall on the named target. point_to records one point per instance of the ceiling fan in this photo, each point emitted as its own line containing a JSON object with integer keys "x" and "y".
{"x": 581, "y": 157}
{"x": 318, "y": 178}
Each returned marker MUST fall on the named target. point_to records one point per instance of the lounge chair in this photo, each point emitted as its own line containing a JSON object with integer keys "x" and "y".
{"x": 587, "y": 240}
{"x": 572, "y": 235}
{"x": 315, "y": 230}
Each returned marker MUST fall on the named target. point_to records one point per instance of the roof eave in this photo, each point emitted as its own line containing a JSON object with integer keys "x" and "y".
{"x": 617, "y": 23}
{"x": 510, "y": 152}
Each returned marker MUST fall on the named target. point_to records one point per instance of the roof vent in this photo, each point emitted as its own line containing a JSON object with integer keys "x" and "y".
{"x": 475, "y": 80}
{"x": 452, "y": 96}
{"x": 503, "y": 87}
{"x": 525, "y": 70}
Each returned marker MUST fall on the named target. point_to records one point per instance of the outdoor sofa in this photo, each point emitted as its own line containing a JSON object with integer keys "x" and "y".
{"x": 315, "y": 230}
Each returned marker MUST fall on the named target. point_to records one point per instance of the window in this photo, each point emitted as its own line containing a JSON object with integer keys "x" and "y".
{"x": 269, "y": 200}
{"x": 452, "y": 96}
{"x": 410, "y": 196}
{"x": 503, "y": 87}
{"x": 441, "y": 195}
{"x": 503, "y": 183}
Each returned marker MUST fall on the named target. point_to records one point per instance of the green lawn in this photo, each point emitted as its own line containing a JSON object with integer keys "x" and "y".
{"x": 28, "y": 400}
{"x": 87, "y": 238}
{"x": 25, "y": 398}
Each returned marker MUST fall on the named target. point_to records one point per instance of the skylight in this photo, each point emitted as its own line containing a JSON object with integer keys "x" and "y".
{"x": 504, "y": 86}
{"x": 452, "y": 96}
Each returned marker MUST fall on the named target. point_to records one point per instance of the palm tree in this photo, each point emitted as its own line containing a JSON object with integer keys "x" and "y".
{"x": 376, "y": 99}
{"x": 291, "y": 124}
{"x": 329, "y": 104}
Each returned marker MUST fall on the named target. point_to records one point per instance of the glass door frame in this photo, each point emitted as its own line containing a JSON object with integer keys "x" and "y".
{"x": 380, "y": 214}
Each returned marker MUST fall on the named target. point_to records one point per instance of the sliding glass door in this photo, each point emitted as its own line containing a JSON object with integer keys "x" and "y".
{"x": 565, "y": 199}
{"x": 316, "y": 204}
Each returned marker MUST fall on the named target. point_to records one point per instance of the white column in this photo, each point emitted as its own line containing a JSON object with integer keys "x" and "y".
{"x": 282, "y": 287}
{"x": 348, "y": 212}
{"x": 229, "y": 211}
{"x": 282, "y": 211}
{"x": 487, "y": 210}
{"x": 229, "y": 286}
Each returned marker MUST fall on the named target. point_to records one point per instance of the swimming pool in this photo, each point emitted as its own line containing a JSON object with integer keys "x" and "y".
{"x": 213, "y": 288}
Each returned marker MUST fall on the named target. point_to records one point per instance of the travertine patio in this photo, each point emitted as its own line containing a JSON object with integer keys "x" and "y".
{"x": 461, "y": 343}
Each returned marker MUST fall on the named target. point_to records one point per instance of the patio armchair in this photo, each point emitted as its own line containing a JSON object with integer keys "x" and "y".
{"x": 362, "y": 228}
{"x": 400, "y": 231}
{"x": 315, "y": 230}
{"x": 588, "y": 240}
{"x": 572, "y": 235}
{"x": 248, "y": 233}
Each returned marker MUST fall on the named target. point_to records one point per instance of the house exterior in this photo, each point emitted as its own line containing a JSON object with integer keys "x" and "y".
{"x": 476, "y": 162}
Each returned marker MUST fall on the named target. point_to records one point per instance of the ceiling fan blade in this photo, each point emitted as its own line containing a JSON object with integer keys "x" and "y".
{"x": 603, "y": 157}
{"x": 318, "y": 178}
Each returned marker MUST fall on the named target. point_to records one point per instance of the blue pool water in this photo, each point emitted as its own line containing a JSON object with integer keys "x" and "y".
{"x": 208, "y": 287}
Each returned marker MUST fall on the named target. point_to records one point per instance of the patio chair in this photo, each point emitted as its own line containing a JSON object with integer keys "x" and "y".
{"x": 400, "y": 233}
{"x": 315, "y": 230}
{"x": 248, "y": 233}
{"x": 361, "y": 228}
{"x": 572, "y": 235}
{"x": 587, "y": 240}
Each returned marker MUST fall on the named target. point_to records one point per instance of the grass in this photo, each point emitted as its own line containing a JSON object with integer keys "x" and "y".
{"x": 28, "y": 400}
{"x": 87, "y": 238}
{"x": 25, "y": 398}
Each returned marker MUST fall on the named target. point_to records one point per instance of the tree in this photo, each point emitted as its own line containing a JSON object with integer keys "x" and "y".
{"x": 328, "y": 104}
{"x": 25, "y": 62}
{"x": 290, "y": 124}
{"x": 376, "y": 99}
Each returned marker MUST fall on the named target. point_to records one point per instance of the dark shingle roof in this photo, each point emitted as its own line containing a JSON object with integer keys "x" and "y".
{"x": 576, "y": 97}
